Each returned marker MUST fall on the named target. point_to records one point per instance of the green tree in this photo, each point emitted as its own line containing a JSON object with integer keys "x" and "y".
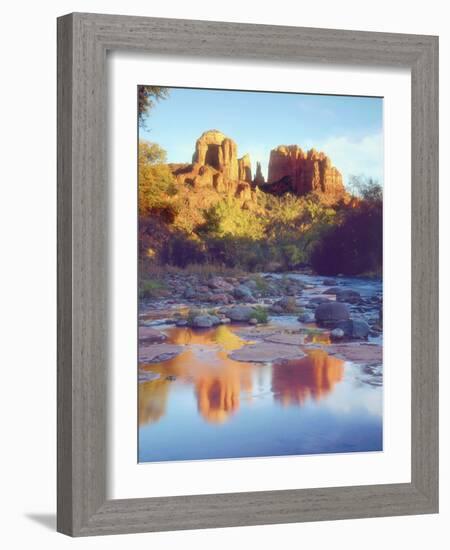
{"x": 147, "y": 97}
{"x": 228, "y": 218}
{"x": 367, "y": 189}
{"x": 151, "y": 153}
{"x": 157, "y": 185}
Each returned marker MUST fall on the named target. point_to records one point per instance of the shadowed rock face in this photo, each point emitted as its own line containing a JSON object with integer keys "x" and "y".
{"x": 296, "y": 171}
{"x": 259, "y": 178}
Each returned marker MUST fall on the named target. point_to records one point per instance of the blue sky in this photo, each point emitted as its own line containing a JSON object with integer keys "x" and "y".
{"x": 348, "y": 129}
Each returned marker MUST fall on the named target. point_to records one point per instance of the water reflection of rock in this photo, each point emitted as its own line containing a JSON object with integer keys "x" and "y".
{"x": 217, "y": 380}
{"x": 318, "y": 338}
{"x": 152, "y": 400}
{"x": 221, "y": 335}
{"x": 313, "y": 376}
{"x": 218, "y": 393}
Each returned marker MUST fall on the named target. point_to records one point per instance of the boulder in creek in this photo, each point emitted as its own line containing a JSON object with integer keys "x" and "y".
{"x": 204, "y": 321}
{"x": 240, "y": 313}
{"x": 202, "y": 289}
{"x": 332, "y": 290}
{"x": 337, "y": 334}
{"x": 219, "y": 283}
{"x": 158, "y": 352}
{"x": 360, "y": 329}
{"x": 357, "y": 329}
{"x": 251, "y": 284}
{"x": 242, "y": 292}
{"x": 316, "y": 301}
{"x": 288, "y": 304}
{"x": 151, "y": 335}
{"x": 349, "y": 296}
{"x": 265, "y": 352}
{"x": 274, "y": 308}
{"x": 201, "y": 296}
{"x": 189, "y": 293}
{"x": 221, "y": 299}
{"x": 330, "y": 314}
{"x": 306, "y": 317}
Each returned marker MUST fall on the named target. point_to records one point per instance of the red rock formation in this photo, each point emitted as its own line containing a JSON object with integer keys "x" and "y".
{"x": 245, "y": 168}
{"x": 215, "y": 164}
{"x": 259, "y": 178}
{"x": 293, "y": 170}
{"x": 216, "y": 150}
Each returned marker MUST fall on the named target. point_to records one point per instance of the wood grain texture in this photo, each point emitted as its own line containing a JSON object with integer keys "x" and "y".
{"x": 64, "y": 266}
{"x": 83, "y": 198}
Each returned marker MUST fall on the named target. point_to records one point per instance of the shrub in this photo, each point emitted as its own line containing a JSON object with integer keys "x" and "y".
{"x": 151, "y": 288}
{"x": 157, "y": 185}
{"x": 260, "y": 314}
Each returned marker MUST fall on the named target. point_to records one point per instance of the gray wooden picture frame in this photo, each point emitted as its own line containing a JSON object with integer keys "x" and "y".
{"x": 83, "y": 42}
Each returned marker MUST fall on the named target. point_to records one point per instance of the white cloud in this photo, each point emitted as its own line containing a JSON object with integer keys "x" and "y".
{"x": 355, "y": 157}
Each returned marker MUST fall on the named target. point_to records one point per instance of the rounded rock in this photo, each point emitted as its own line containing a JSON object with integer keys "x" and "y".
{"x": 337, "y": 334}
{"x": 360, "y": 329}
{"x": 330, "y": 314}
{"x": 240, "y": 313}
{"x": 306, "y": 317}
{"x": 349, "y": 296}
{"x": 202, "y": 321}
{"x": 243, "y": 292}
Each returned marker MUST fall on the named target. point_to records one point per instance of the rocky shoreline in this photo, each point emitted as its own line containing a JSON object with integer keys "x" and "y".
{"x": 279, "y": 316}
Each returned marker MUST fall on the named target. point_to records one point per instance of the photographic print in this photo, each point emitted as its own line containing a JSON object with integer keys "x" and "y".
{"x": 260, "y": 240}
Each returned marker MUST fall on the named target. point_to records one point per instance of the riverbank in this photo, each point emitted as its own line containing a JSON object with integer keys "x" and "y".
{"x": 290, "y": 309}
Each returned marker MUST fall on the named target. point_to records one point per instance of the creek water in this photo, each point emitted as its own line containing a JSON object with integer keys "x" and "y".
{"x": 202, "y": 404}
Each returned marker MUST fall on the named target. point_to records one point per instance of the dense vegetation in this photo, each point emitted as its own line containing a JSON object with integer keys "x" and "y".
{"x": 355, "y": 244}
{"x": 180, "y": 226}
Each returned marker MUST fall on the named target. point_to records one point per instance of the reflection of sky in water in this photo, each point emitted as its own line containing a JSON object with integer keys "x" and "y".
{"x": 220, "y": 408}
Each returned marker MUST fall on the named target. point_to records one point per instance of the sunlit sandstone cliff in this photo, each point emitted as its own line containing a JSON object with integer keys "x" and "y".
{"x": 216, "y": 165}
{"x": 300, "y": 172}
